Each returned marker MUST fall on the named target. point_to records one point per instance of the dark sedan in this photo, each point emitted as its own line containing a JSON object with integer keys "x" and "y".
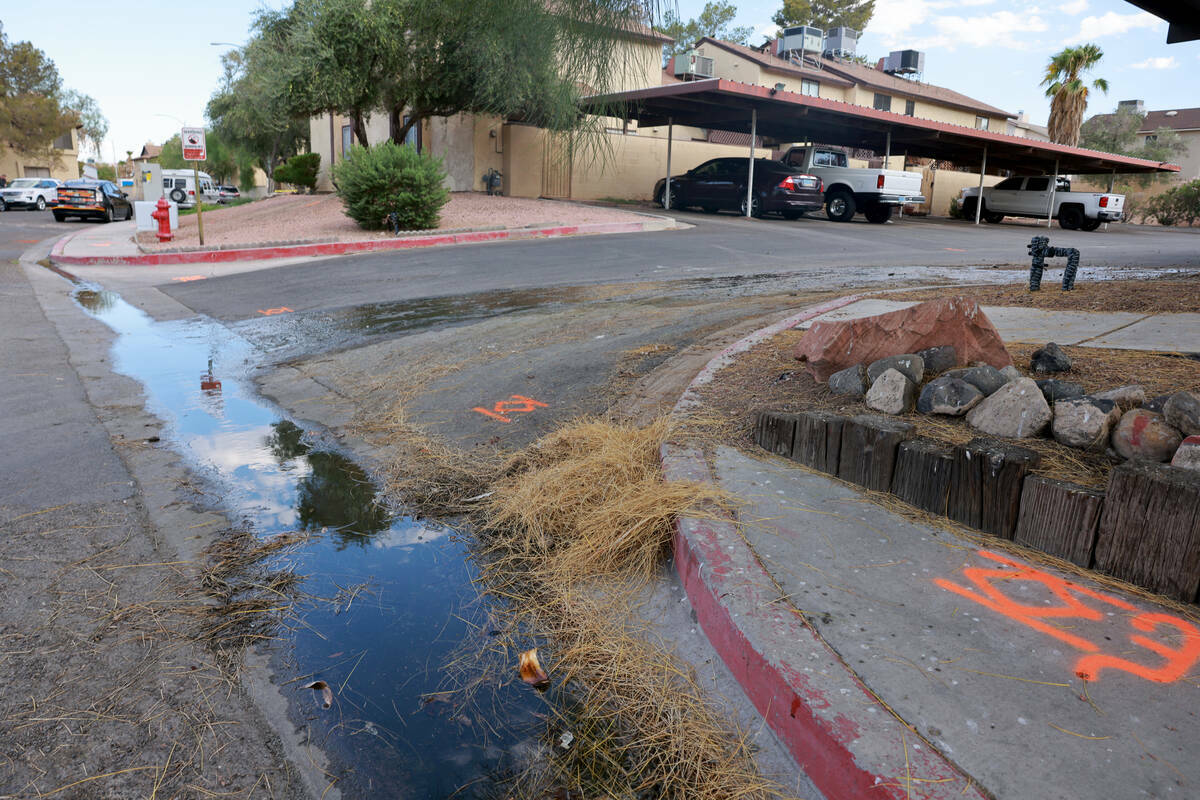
{"x": 721, "y": 184}
{"x": 89, "y": 199}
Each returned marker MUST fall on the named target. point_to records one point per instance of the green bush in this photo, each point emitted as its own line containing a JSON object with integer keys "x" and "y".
{"x": 390, "y": 178}
{"x": 1180, "y": 204}
{"x": 300, "y": 171}
{"x": 956, "y": 211}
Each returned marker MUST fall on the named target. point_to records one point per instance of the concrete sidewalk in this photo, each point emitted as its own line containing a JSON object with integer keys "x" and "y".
{"x": 899, "y": 659}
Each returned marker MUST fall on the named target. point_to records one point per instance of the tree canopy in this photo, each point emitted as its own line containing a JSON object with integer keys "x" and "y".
{"x": 221, "y": 162}
{"x": 714, "y": 21}
{"x": 825, "y": 14}
{"x": 33, "y": 108}
{"x": 1068, "y": 90}
{"x": 1118, "y": 133}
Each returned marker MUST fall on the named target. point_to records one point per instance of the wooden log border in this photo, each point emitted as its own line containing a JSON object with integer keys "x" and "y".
{"x": 1145, "y": 528}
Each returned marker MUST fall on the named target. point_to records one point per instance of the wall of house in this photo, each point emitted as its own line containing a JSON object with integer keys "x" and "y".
{"x": 1189, "y": 163}
{"x": 524, "y": 153}
{"x": 63, "y": 164}
{"x": 942, "y": 185}
{"x": 453, "y": 140}
{"x": 732, "y": 67}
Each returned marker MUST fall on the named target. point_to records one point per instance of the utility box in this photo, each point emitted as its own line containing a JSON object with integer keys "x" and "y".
{"x": 800, "y": 38}
{"x": 149, "y": 183}
{"x": 142, "y": 209}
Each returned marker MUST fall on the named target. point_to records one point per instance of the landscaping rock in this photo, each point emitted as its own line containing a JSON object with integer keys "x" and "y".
{"x": 939, "y": 359}
{"x": 1188, "y": 454}
{"x": 1145, "y": 436}
{"x": 950, "y": 396}
{"x": 1182, "y": 412}
{"x": 1050, "y": 358}
{"x": 957, "y": 321}
{"x": 1054, "y": 389}
{"x": 1126, "y": 397}
{"x": 1011, "y": 373}
{"x": 1156, "y": 403}
{"x": 984, "y": 378}
{"x": 912, "y": 366}
{"x": 1016, "y": 410}
{"x": 1084, "y": 422}
{"x": 850, "y": 381}
{"x": 891, "y": 393}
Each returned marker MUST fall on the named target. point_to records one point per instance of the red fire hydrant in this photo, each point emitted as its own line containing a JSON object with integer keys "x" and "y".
{"x": 162, "y": 213}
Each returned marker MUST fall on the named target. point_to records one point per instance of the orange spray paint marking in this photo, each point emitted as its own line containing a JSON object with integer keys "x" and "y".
{"x": 517, "y": 405}
{"x": 270, "y": 312}
{"x": 1073, "y": 604}
{"x": 186, "y": 278}
{"x": 954, "y": 249}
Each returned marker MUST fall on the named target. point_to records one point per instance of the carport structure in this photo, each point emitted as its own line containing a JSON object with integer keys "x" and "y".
{"x": 780, "y": 117}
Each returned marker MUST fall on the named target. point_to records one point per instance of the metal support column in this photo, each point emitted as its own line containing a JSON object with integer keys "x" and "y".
{"x": 887, "y": 152}
{"x": 979, "y": 197}
{"x": 750, "y": 174}
{"x": 1053, "y": 189}
{"x": 1111, "y": 180}
{"x": 667, "y": 185}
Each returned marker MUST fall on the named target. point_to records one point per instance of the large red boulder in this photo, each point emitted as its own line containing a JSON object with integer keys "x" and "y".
{"x": 832, "y": 346}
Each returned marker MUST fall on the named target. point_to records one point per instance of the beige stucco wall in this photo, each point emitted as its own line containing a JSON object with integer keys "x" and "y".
{"x": 63, "y": 164}
{"x": 453, "y": 140}
{"x": 942, "y": 185}
{"x": 522, "y": 161}
{"x": 1189, "y": 163}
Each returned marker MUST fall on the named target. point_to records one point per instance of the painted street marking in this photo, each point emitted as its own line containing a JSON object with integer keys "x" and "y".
{"x": 186, "y": 278}
{"x": 101, "y": 244}
{"x": 954, "y": 249}
{"x": 517, "y": 405}
{"x": 27, "y": 241}
{"x": 270, "y": 312}
{"x": 1177, "y": 640}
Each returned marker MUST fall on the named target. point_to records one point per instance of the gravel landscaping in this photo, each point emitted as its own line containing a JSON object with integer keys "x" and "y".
{"x": 319, "y": 218}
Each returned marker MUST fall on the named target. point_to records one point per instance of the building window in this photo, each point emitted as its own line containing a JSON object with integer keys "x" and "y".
{"x": 810, "y": 88}
{"x": 883, "y": 102}
{"x": 981, "y": 123}
{"x": 347, "y": 139}
{"x": 910, "y": 108}
{"x": 1152, "y": 139}
{"x": 64, "y": 142}
{"x": 413, "y": 137}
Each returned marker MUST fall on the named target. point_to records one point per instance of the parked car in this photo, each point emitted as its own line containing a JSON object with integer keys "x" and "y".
{"x": 849, "y": 190}
{"x": 179, "y": 186}
{"x": 1029, "y": 196}
{"x": 89, "y": 199}
{"x": 227, "y": 193}
{"x": 721, "y": 184}
{"x": 29, "y": 193}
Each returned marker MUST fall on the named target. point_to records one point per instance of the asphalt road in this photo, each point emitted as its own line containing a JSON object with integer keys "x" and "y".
{"x": 810, "y": 253}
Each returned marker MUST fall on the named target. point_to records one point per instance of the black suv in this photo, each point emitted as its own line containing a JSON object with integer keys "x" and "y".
{"x": 89, "y": 199}
{"x": 721, "y": 184}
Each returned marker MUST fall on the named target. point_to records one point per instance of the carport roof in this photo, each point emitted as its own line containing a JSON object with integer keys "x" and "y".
{"x": 789, "y": 117}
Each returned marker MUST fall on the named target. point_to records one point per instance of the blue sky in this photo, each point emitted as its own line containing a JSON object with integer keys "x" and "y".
{"x": 994, "y": 51}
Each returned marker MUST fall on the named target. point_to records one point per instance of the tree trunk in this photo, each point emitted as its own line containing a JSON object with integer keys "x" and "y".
{"x": 413, "y": 119}
{"x": 359, "y": 127}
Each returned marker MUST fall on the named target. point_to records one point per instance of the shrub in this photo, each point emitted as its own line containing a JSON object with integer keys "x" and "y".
{"x": 955, "y": 211}
{"x": 1180, "y": 204}
{"x": 300, "y": 171}
{"x": 390, "y": 178}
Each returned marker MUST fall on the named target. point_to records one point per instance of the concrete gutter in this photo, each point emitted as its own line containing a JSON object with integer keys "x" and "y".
{"x": 59, "y": 256}
{"x": 840, "y": 733}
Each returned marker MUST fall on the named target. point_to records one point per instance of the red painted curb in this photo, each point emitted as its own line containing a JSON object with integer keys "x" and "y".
{"x": 843, "y": 736}
{"x": 341, "y": 248}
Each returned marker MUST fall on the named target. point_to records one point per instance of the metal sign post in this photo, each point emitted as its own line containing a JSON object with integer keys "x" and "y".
{"x": 195, "y": 152}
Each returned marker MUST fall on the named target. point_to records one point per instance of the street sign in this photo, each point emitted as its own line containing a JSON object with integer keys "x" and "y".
{"x": 193, "y": 144}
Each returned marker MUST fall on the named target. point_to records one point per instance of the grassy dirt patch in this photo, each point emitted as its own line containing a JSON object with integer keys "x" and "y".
{"x": 1169, "y": 296}
{"x": 768, "y": 378}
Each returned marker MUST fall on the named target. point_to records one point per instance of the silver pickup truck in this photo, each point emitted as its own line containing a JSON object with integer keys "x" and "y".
{"x": 849, "y": 190}
{"x": 1030, "y": 196}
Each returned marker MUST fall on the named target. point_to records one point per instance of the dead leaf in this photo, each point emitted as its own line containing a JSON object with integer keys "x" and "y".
{"x": 532, "y": 672}
{"x": 323, "y": 688}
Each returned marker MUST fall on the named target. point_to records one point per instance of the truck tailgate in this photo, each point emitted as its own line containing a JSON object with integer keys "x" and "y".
{"x": 902, "y": 183}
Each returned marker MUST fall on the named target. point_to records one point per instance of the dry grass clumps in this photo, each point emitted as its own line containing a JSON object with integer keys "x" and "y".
{"x": 574, "y": 532}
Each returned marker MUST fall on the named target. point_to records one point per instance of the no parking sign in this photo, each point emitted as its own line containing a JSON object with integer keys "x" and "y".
{"x": 193, "y": 144}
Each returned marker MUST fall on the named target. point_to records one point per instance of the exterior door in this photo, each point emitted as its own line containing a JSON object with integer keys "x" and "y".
{"x": 556, "y": 166}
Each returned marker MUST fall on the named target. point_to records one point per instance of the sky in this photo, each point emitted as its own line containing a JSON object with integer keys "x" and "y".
{"x": 165, "y": 69}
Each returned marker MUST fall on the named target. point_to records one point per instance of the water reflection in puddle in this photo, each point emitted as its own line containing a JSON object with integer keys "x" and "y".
{"x": 380, "y": 649}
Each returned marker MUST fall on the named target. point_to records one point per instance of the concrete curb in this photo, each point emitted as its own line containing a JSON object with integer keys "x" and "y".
{"x": 340, "y": 248}
{"x": 845, "y": 738}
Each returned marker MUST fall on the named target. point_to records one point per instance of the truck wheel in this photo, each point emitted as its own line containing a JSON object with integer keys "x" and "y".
{"x": 1090, "y": 225}
{"x": 878, "y": 214}
{"x": 840, "y": 207}
{"x": 992, "y": 217}
{"x": 968, "y": 209}
{"x": 1070, "y": 218}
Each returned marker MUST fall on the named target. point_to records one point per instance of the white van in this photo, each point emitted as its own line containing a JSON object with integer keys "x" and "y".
{"x": 179, "y": 186}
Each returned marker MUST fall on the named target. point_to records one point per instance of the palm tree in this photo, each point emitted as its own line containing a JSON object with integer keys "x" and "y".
{"x": 1069, "y": 92}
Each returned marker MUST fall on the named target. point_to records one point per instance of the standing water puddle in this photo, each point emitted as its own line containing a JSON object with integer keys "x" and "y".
{"x": 380, "y": 649}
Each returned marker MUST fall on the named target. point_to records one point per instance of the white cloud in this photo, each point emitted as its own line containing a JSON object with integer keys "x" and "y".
{"x": 918, "y": 24}
{"x": 1074, "y": 7}
{"x": 1112, "y": 23}
{"x": 1161, "y": 62}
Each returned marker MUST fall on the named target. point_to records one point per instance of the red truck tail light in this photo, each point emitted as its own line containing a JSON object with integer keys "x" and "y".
{"x": 879, "y": 181}
{"x": 1104, "y": 201}
{"x": 788, "y": 184}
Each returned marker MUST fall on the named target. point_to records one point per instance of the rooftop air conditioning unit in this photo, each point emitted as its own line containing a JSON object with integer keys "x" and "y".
{"x": 904, "y": 62}
{"x": 841, "y": 41}
{"x": 800, "y": 37}
{"x": 693, "y": 64}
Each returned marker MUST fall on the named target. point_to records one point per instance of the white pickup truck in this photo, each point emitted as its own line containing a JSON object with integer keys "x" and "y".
{"x": 1029, "y": 196}
{"x": 848, "y": 190}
